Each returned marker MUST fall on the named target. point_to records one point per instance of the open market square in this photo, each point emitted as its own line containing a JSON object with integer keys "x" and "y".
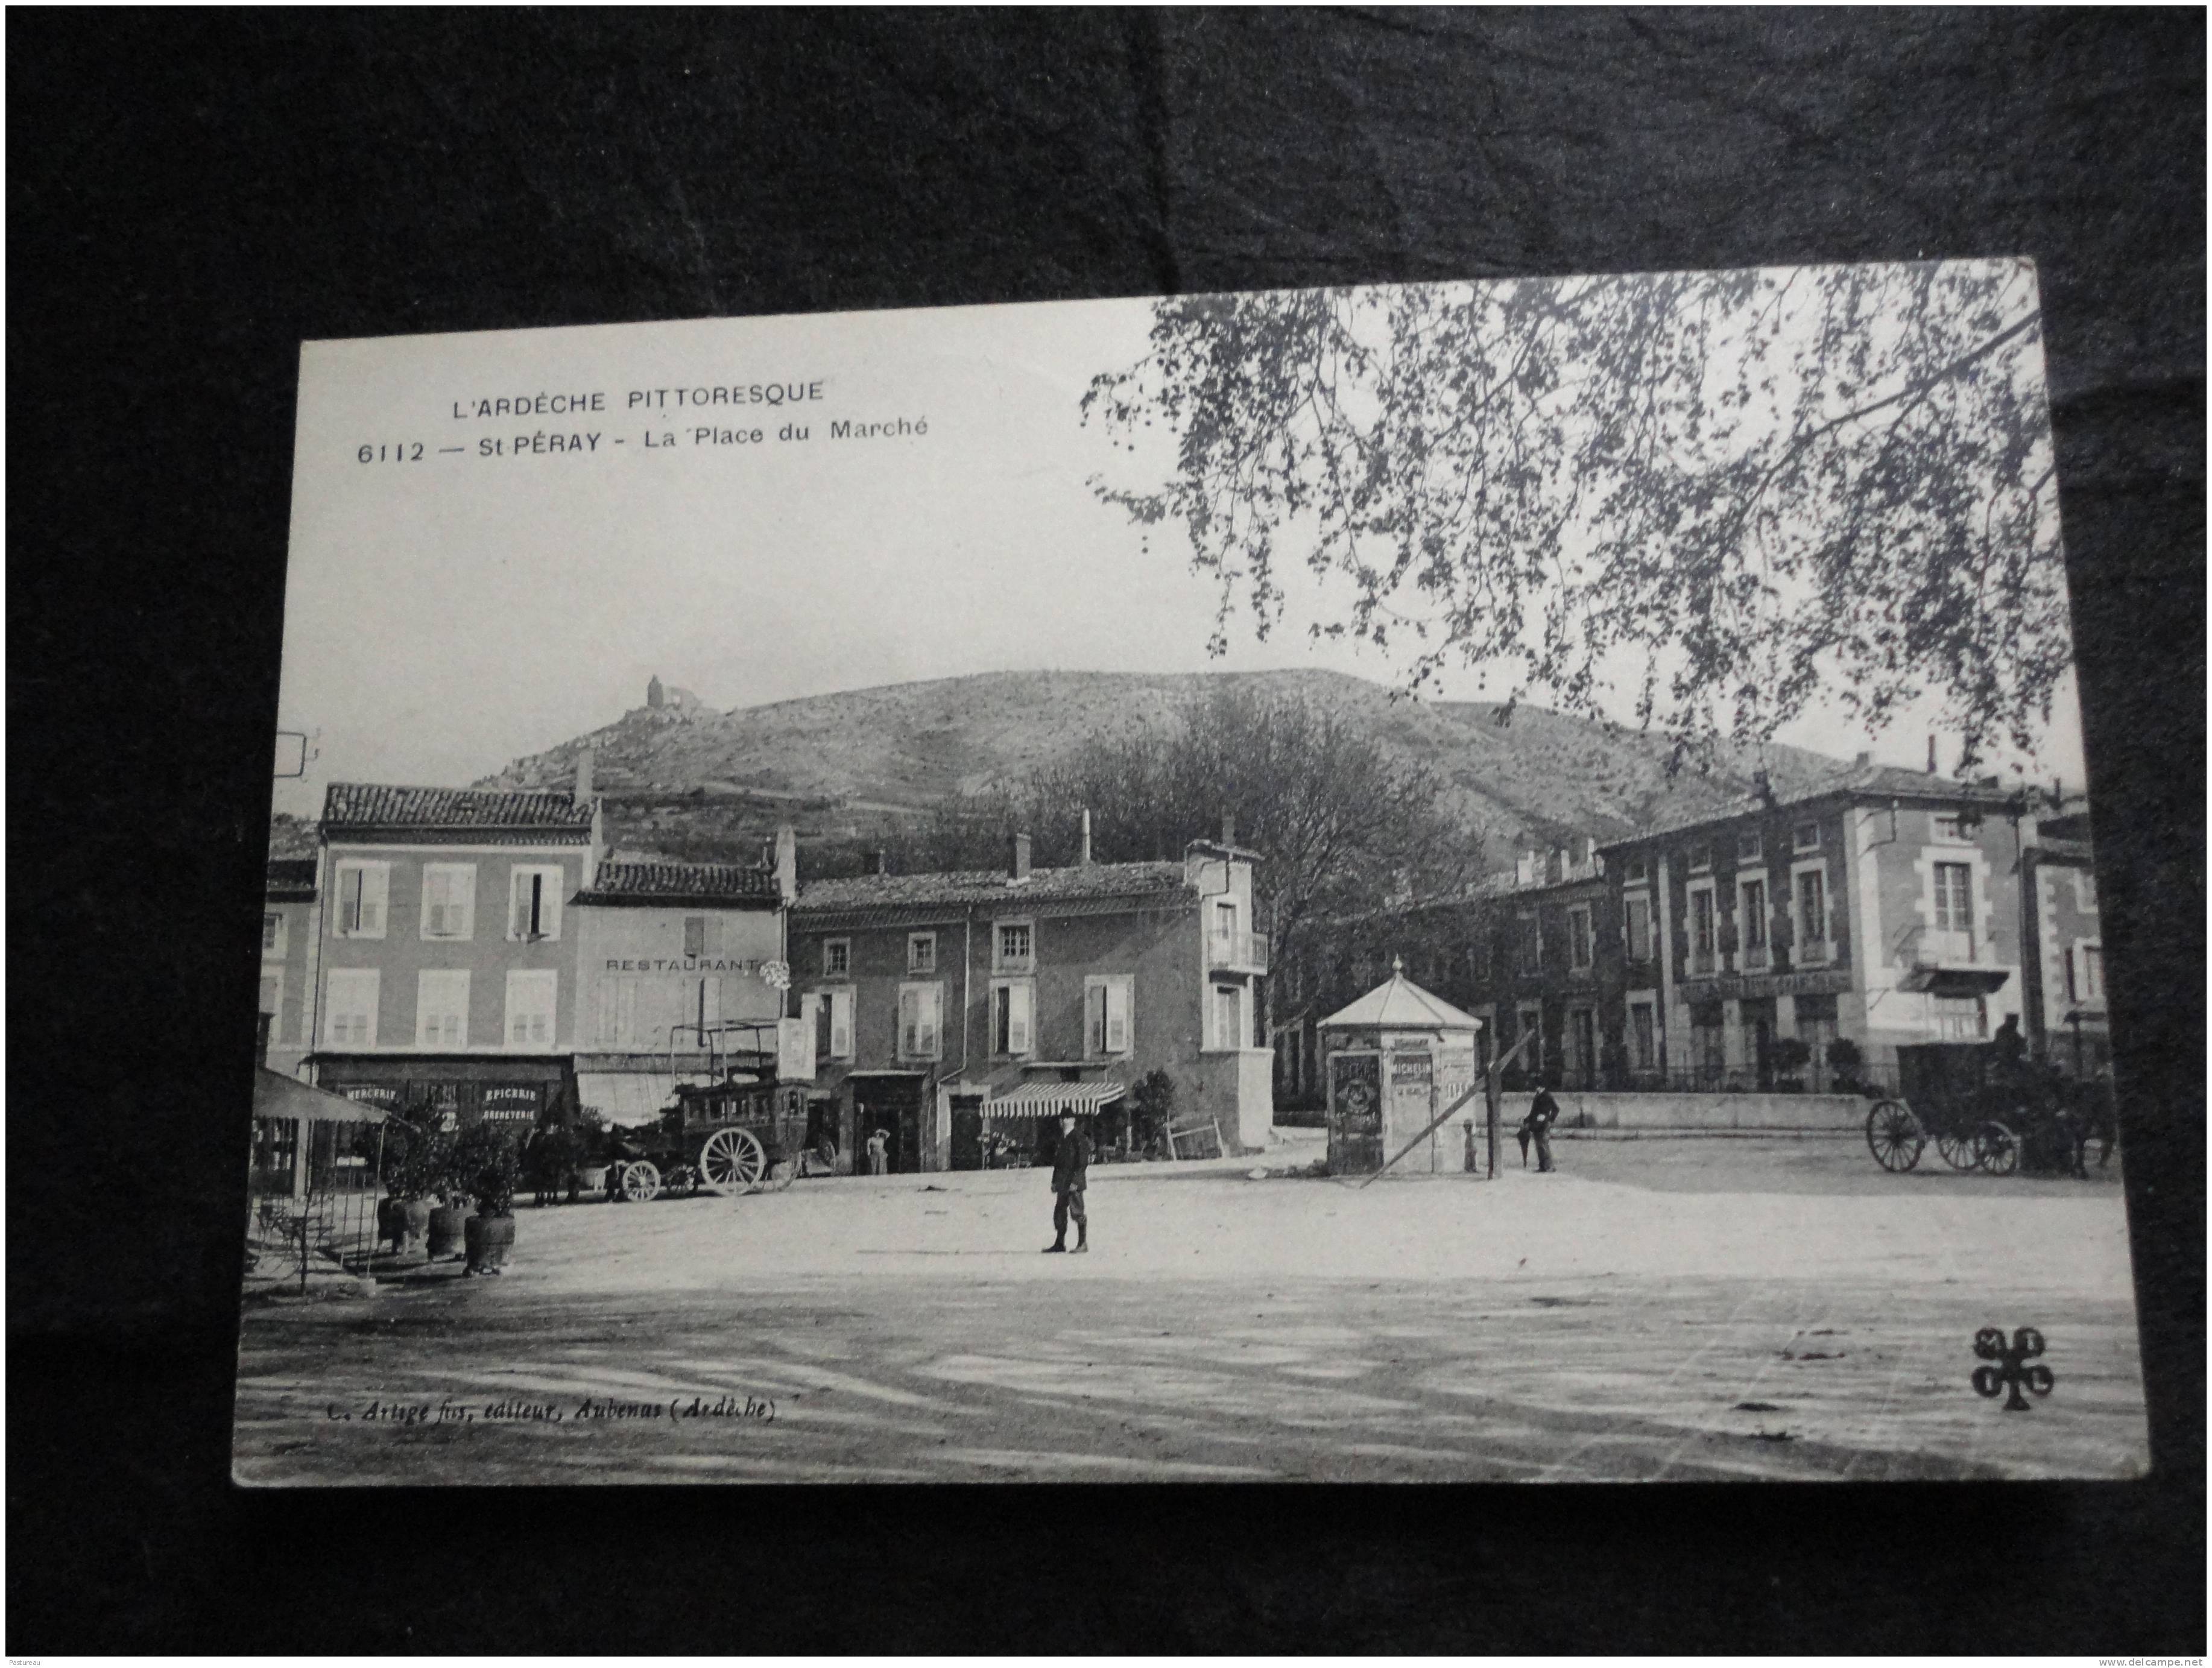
{"x": 1687, "y": 1308}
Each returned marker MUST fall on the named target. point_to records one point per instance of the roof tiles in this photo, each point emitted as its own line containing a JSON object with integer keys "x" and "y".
{"x": 687, "y": 883}
{"x": 373, "y": 805}
{"x": 1096, "y": 880}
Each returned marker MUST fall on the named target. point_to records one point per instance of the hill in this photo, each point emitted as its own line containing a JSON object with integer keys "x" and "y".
{"x": 701, "y": 784}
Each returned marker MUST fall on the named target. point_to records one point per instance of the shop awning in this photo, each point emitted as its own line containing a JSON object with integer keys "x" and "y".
{"x": 1052, "y": 1099}
{"x": 276, "y": 1095}
{"x": 1957, "y": 980}
{"x": 627, "y": 1098}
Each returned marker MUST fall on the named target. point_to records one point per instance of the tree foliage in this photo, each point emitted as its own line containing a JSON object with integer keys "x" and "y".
{"x": 1728, "y": 495}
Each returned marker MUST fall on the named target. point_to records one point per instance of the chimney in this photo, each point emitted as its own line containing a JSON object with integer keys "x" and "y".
{"x": 1931, "y": 755}
{"x": 879, "y": 861}
{"x": 1020, "y": 870}
{"x": 786, "y": 863}
{"x": 1086, "y": 859}
{"x": 1228, "y": 828}
{"x": 1864, "y": 760}
{"x": 584, "y": 777}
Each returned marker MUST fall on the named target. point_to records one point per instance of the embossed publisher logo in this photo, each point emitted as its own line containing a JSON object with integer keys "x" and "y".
{"x": 2013, "y": 1367}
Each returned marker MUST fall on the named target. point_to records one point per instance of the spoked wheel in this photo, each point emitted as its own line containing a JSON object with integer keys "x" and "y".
{"x": 1997, "y": 1148}
{"x": 1894, "y": 1136}
{"x": 734, "y": 1158}
{"x": 640, "y": 1182}
{"x": 1960, "y": 1149}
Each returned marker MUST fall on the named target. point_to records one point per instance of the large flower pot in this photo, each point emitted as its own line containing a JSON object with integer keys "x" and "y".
{"x": 595, "y": 1178}
{"x": 490, "y": 1239}
{"x": 418, "y": 1222}
{"x": 392, "y": 1222}
{"x": 445, "y": 1230}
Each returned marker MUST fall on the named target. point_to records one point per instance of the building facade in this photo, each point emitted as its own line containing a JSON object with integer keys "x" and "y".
{"x": 2064, "y": 966}
{"x": 933, "y": 998}
{"x": 290, "y": 926}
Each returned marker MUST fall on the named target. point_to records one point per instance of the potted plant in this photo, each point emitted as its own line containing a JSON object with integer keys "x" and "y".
{"x": 485, "y": 1166}
{"x": 1152, "y": 1112}
{"x": 1789, "y": 1056}
{"x": 415, "y": 1154}
{"x": 1844, "y": 1059}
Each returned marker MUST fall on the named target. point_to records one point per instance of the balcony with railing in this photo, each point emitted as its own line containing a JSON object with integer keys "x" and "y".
{"x": 1237, "y": 952}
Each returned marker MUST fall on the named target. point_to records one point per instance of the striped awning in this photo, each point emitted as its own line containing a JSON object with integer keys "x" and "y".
{"x": 1052, "y": 1099}
{"x": 628, "y": 1098}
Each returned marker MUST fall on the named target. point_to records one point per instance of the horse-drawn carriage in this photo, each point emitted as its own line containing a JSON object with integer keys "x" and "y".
{"x": 738, "y": 1129}
{"x": 1983, "y": 1111}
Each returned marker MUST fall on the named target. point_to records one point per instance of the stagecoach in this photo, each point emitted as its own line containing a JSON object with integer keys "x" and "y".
{"x": 1981, "y": 1112}
{"x": 738, "y": 1129}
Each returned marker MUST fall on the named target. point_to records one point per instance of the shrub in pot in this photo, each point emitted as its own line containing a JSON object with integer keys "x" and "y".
{"x": 415, "y": 1154}
{"x": 487, "y": 1169}
{"x": 1844, "y": 1060}
{"x": 1789, "y": 1056}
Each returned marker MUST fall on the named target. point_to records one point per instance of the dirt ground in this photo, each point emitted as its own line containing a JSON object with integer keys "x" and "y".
{"x": 1682, "y": 1309}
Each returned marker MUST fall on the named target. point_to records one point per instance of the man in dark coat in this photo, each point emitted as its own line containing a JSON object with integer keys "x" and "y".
{"x": 1543, "y": 1112}
{"x": 1071, "y": 1166}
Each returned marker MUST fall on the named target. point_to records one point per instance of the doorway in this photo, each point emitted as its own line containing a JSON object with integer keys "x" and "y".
{"x": 967, "y": 1152}
{"x": 1758, "y": 1039}
{"x": 894, "y": 1107}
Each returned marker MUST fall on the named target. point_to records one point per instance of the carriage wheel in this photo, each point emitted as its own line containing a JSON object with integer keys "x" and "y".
{"x": 640, "y": 1182}
{"x": 1998, "y": 1149}
{"x": 1894, "y": 1136}
{"x": 1960, "y": 1150}
{"x": 733, "y": 1158}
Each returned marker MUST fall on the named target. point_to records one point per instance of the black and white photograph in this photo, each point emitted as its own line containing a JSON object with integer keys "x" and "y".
{"x": 1369, "y": 831}
{"x": 1504, "y": 869}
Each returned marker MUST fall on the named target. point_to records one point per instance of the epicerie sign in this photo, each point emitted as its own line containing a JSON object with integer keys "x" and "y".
{"x": 501, "y": 1101}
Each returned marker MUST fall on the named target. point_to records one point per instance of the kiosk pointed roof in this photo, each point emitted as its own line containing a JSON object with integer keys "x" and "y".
{"x": 1398, "y": 1003}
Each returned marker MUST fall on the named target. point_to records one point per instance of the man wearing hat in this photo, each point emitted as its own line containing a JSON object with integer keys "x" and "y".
{"x": 1071, "y": 1163}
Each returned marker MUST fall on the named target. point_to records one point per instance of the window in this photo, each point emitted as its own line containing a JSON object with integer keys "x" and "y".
{"x": 1960, "y": 1018}
{"x": 1701, "y": 858}
{"x": 272, "y": 934}
{"x": 694, "y": 934}
{"x": 836, "y": 958}
{"x": 1807, "y": 837}
{"x": 2085, "y": 894}
{"x": 833, "y": 1024}
{"x": 1578, "y": 937}
{"x": 1750, "y": 915}
{"x": 1530, "y": 947}
{"x": 1702, "y": 945}
{"x": 1636, "y": 920}
{"x": 1812, "y": 912}
{"x": 2085, "y": 975}
{"x": 349, "y": 1008}
{"x": 535, "y": 898}
{"x": 1639, "y": 868}
{"x": 1531, "y": 1021}
{"x": 1106, "y": 1000}
{"x": 449, "y": 900}
{"x": 1954, "y": 897}
{"x": 1225, "y": 929}
{"x": 1748, "y": 847}
{"x": 922, "y": 952}
{"x": 1013, "y": 1016}
{"x": 272, "y": 999}
{"x": 1950, "y": 831}
{"x": 442, "y": 1010}
{"x": 617, "y": 1012}
{"x": 1229, "y": 1018}
{"x": 531, "y": 1001}
{"x": 1643, "y": 1037}
{"x": 921, "y": 1021}
{"x": 1013, "y": 947}
{"x": 361, "y": 892}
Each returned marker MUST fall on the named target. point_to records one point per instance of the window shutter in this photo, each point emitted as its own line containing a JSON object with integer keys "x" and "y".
{"x": 1019, "y": 1017}
{"x": 548, "y": 907}
{"x": 1116, "y": 1005}
{"x": 909, "y": 1014}
{"x": 840, "y": 1024}
{"x": 694, "y": 934}
{"x": 1094, "y": 1020}
{"x": 925, "y": 1023}
{"x": 371, "y": 901}
{"x": 816, "y": 1012}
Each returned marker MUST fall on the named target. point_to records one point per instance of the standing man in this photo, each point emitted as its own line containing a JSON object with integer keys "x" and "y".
{"x": 879, "y": 1145}
{"x": 1543, "y": 1112}
{"x": 1071, "y": 1166}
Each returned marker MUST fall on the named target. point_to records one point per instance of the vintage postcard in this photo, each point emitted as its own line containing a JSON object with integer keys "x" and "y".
{"x": 1465, "y": 882}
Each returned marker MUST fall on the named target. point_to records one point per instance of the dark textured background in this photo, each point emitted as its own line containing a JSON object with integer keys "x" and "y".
{"x": 192, "y": 195}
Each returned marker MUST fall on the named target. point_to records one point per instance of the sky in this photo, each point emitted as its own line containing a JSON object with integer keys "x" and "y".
{"x": 517, "y": 582}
